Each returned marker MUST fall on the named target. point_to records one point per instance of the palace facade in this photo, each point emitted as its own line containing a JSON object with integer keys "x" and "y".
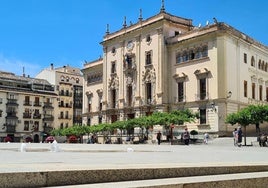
{"x": 165, "y": 63}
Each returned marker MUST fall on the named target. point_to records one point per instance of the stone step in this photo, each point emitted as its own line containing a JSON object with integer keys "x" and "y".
{"x": 239, "y": 180}
{"x": 76, "y": 177}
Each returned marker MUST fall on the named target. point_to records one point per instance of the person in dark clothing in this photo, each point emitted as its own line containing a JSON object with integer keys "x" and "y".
{"x": 158, "y": 137}
{"x": 239, "y": 136}
{"x": 186, "y": 136}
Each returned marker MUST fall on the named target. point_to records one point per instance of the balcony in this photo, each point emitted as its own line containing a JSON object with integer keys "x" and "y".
{"x": 10, "y": 128}
{"x": 48, "y": 118}
{"x": 37, "y": 116}
{"x": 12, "y": 102}
{"x": 27, "y": 115}
{"x": 12, "y": 115}
{"x": 27, "y": 103}
{"x": 47, "y": 129}
{"x": 37, "y": 104}
{"x": 66, "y": 94}
{"x": 48, "y": 105}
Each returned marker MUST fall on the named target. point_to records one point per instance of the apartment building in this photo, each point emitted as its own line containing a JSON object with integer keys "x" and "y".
{"x": 68, "y": 82}
{"x": 26, "y": 108}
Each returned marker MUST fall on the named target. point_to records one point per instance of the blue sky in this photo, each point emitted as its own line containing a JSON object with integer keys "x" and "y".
{"x": 36, "y": 33}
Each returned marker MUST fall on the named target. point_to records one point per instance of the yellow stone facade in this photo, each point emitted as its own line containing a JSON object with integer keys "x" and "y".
{"x": 165, "y": 63}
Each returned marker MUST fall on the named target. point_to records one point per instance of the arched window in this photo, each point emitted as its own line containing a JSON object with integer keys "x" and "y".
{"x": 266, "y": 67}
{"x": 185, "y": 56}
{"x": 198, "y": 53}
{"x": 179, "y": 58}
{"x": 252, "y": 61}
{"x": 205, "y": 51}
{"x": 259, "y": 64}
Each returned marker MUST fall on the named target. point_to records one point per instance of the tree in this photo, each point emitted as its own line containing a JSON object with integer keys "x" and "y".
{"x": 252, "y": 114}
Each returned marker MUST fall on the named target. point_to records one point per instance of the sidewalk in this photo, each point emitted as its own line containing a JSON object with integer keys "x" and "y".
{"x": 218, "y": 152}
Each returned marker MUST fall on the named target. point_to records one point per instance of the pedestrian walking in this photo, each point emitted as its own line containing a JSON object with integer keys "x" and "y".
{"x": 158, "y": 137}
{"x": 206, "y": 136}
{"x": 235, "y": 136}
{"x": 186, "y": 136}
{"x": 239, "y": 136}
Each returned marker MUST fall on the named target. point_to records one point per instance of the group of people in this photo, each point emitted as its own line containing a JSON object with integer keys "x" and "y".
{"x": 237, "y": 135}
{"x": 185, "y": 137}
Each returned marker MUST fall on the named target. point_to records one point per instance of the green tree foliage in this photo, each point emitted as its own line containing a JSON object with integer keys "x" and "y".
{"x": 144, "y": 122}
{"x": 252, "y": 114}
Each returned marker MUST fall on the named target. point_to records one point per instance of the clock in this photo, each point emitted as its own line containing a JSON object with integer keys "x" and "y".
{"x": 130, "y": 45}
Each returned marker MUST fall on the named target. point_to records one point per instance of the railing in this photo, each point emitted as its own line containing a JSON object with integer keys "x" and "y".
{"x": 37, "y": 116}
{"x": 37, "y": 104}
{"x": 254, "y": 101}
{"x": 10, "y": 128}
{"x": 27, "y": 103}
{"x": 48, "y": 118}
{"x": 12, "y": 114}
{"x": 27, "y": 115}
{"x": 48, "y": 105}
{"x": 12, "y": 102}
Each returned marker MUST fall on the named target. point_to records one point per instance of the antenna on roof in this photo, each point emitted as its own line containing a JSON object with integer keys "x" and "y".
{"x": 107, "y": 29}
{"x": 140, "y": 18}
{"x": 162, "y": 10}
{"x": 125, "y": 22}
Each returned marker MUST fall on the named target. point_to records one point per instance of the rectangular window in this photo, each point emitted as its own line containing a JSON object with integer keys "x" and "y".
{"x": 245, "y": 88}
{"x": 148, "y": 60}
{"x": 149, "y": 92}
{"x": 36, "y": 126}
{"x": 36, "y": 101}
{"x": 113, "y": 93}
{"x": 202, "y": 88}
{"x": 100, "y": 119}
{"x": 129, "y": 95}
{"x": 128, "y": 62}
{"x": 180, "y": 91}
{"x": 203, "y": 116}
{"x": 113, "y": 67}
{"x": 27, "y": 100}
{"x": 26, "y": 125}
{"x": 245, "y": 58}
{"x": 260, "y": 92}
{"x": 253, "y": 90}
{"x": 100, "y": 103}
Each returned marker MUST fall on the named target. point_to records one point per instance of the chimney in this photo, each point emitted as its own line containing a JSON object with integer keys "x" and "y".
{"x": 51, "y": 66}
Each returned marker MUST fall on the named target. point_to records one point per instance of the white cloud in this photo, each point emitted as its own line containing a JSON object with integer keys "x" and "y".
{"x": 10, "y": 64}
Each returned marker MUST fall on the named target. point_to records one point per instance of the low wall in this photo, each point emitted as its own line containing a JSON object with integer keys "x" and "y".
{"x": 75, "y": 177}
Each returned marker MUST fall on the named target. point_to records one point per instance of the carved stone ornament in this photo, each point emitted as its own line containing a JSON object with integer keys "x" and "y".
{"x": 148, "y": 75}
{"x": 113, "y": 83}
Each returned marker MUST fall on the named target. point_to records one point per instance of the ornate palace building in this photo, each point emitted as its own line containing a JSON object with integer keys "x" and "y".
{"x": 165, "y": 63}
